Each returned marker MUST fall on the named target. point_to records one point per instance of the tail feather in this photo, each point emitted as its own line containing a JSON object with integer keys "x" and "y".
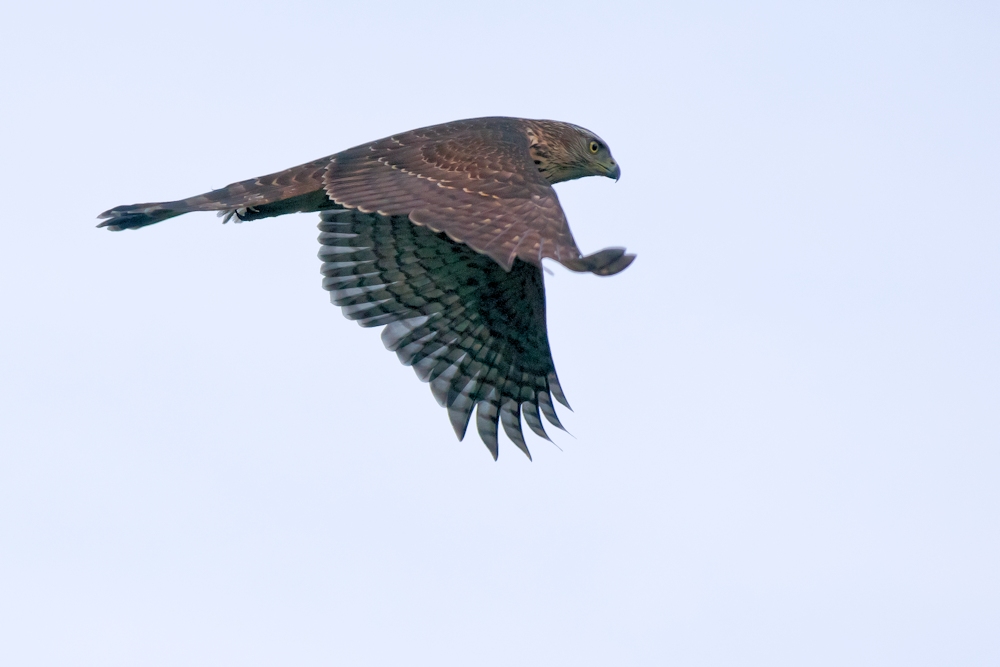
{"x": 307, "y": 203}
{"x": 296, "y": 189}
{"x": 135, "y": 216}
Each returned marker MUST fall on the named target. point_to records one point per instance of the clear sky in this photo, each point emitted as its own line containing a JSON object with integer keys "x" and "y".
{"x": 786, "y": 432}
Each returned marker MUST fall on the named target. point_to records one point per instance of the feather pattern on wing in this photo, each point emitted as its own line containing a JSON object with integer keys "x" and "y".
{"x": 474, "y": 331}
{"x": 475, "y": 181}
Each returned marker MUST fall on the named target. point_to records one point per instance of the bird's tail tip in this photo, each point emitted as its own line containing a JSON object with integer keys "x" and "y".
{"x": 134, "y": 216}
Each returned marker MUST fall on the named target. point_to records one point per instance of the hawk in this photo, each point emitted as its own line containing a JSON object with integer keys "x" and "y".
{"x": 439, "y": 234}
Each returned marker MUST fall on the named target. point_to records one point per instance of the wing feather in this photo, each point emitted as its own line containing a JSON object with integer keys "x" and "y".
{"x": 475, "y": 332}
{"x": 473, "y": 180}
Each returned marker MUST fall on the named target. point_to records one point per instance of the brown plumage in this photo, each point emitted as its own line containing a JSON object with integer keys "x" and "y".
{"x": 439, "y": 234}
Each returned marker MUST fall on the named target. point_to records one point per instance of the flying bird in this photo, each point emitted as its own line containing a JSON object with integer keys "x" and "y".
{"x": 439, "y": 234}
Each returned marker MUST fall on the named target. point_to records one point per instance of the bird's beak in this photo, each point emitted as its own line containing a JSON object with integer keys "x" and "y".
{"x": 615, "y": 173}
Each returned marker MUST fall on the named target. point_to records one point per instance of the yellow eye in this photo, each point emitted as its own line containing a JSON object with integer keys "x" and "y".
{"x": 594, "y": 147}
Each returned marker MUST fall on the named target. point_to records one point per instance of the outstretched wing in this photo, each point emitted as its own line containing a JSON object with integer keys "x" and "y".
{"x": 475, "y": 331}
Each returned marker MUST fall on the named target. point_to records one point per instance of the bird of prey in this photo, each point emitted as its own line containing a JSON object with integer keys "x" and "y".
{"x": 439, "y": 234}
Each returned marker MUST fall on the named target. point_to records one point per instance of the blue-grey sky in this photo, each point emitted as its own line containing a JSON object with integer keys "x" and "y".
{"x": 786, "y": 440}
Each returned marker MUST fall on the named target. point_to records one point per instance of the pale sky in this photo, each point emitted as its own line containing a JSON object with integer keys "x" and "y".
{"x": 786, "y": 437}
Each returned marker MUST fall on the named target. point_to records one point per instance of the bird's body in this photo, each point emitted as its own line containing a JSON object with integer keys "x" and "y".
{"x": 439, "y": 234}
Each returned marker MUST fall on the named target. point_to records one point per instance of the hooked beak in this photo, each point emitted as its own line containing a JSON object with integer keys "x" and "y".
{"x": 615, "y": 173}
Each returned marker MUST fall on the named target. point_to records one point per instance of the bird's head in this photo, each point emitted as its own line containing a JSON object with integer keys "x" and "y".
{"x": 563, "y": 151}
